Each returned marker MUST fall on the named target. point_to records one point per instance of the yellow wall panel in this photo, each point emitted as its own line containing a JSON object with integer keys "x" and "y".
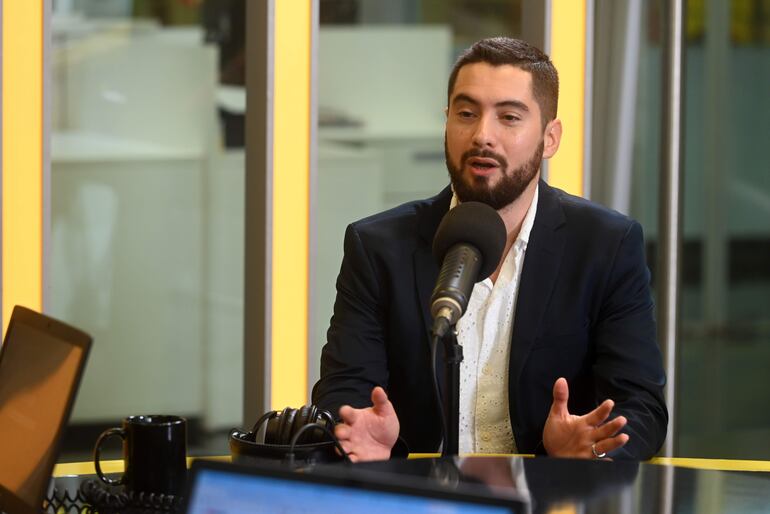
{"x": 291, "y": 198}
{"x": 568, "y": 48}
{"x": 22, "y": 173}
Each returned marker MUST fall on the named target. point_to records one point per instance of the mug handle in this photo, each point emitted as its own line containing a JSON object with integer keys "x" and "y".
{"x": 98, "y": 454}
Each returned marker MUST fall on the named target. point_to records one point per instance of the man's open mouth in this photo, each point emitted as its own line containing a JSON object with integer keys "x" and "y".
{"x": 483, "y": 163}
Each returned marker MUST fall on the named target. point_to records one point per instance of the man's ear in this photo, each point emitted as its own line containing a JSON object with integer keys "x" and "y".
{"x": 551, "y": 138}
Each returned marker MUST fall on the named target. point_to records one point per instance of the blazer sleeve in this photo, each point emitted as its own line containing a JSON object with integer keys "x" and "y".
{"x": 354, "y": 359}
{"x": 628, "y": 366}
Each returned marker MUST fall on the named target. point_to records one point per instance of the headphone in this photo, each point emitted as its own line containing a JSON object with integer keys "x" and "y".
{"x": 283, "y": 426}
{"x": 305, "y": 434}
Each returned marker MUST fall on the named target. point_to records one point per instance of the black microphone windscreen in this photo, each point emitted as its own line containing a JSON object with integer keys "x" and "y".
{"x": 476, "y": 224}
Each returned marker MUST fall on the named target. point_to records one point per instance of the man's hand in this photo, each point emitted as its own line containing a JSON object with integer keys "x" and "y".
{"x": 566, "y": 435}
{"x": 368, "y": 434}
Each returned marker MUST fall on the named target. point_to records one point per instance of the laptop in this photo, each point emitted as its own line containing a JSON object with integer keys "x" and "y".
{"x": 41, "y": 363}
{"x": 224, "y": 488}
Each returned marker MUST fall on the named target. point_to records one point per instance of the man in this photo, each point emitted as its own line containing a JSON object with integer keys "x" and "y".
{"x": 559, "y": 343}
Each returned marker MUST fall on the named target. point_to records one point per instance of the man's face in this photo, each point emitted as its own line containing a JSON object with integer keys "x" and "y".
{"x": 494, "y": 136}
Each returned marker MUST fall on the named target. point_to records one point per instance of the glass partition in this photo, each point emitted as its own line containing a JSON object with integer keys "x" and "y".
{"x": 382, "y": 76}
{"x": 146, "y": 216}
{"x": 723, "y": 406}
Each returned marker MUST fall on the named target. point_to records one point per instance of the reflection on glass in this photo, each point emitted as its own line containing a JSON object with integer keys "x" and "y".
{"x": 726, "y": 329}
{"x": 722, "y": 409}
{"x": 147, "y": 206}
{"x": 382, "y": 74}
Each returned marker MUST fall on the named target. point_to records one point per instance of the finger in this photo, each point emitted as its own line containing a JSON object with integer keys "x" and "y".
{"x": 609, "y": 429}
{"x": 344, "y": 447}
{"x": 347, "y": 446}
{"x": 560, "y": 398}
{"x": 379, "y": 397}
{"x": 597, "y": 416}
{"x": 348, "y": 414}
{"x": 342, "y": 431}
{"x": 382, "y": 405}
{"x": 611, "y": 444}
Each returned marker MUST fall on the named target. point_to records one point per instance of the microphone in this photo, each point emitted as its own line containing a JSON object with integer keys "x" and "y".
{"x": 468, "y": 245}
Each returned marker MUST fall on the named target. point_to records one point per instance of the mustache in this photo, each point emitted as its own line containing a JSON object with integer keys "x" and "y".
{"x": 486, "y": 154}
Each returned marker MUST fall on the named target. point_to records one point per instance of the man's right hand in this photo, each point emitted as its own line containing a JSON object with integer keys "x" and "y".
{"x": 368, "y": 434}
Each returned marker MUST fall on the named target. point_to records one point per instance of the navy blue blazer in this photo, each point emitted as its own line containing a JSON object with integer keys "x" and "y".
{"x": 584, "y": 312}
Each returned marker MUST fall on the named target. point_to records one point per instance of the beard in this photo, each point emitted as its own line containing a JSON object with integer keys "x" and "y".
{"x": 478, "y": 189}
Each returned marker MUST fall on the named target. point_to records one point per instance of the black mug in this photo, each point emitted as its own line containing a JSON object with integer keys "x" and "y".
{"x": 154, "y": 454}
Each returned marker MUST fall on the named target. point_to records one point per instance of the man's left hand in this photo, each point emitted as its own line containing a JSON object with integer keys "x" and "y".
{"x": 589, "y": 436}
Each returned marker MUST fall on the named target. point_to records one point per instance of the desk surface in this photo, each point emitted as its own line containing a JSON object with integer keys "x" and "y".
{"x": 588, "y": 487}
{"x": 571, "y": 486}
{"x": 116, "y": 466}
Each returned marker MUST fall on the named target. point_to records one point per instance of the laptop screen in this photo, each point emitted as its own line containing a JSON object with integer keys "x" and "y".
{"x": 39, "y": 373}
{"x": 227, "y": 492}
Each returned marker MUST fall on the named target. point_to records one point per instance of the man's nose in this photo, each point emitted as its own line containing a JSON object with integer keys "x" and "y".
{"x": 483, "y": 135}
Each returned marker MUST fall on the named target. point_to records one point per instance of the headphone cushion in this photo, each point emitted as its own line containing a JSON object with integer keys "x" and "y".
{"x": 274, "y": 433}
{"x": 300, "y": 421}
{"x": 271, "y": 428}
{"x": 281, "y": 426}
{"x": 312, "y": 415}
{"x": 287, "y": 429}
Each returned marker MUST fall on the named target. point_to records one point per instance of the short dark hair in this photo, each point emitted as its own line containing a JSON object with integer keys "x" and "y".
{"x": 498, "y": 51}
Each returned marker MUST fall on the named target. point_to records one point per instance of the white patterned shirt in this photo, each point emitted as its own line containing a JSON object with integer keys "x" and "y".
{"x": 484, "y": 332}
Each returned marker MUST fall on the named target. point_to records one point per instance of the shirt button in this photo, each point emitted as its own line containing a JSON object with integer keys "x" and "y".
{"x": 486, "y": 370}
{"x": 485, "y": 438}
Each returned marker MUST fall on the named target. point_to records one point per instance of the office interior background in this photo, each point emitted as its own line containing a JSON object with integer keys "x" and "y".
{"x": 146, "y": 210}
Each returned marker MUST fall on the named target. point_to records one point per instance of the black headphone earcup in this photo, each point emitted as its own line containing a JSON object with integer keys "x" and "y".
{"x": 300, "y": 421}
{"x": 316, "y": 416}
{"x": 263, "y": 421}
{"x": 271, "y": 428}
{"x": 274, "y": 428}
{"x": 287, "y": 428}
{"x": 281, "y": 427}
{"x": 328, "y": 419}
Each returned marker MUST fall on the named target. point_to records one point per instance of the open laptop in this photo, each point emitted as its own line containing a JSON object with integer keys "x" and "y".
{"x": 224, "y": 488}
{"x": 41, "y": 363}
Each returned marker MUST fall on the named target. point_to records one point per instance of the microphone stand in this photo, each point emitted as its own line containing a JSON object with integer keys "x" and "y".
{"x": 453, "y": 356}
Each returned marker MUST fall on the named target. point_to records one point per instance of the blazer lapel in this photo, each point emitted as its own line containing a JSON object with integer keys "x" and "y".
{"x": 425, "y": 267}
{"x": 541, "y": 266}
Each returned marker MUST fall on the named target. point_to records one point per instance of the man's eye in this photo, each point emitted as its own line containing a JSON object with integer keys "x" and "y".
{"x": 465, "y": 114}
{"x": 510, "y": 117}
